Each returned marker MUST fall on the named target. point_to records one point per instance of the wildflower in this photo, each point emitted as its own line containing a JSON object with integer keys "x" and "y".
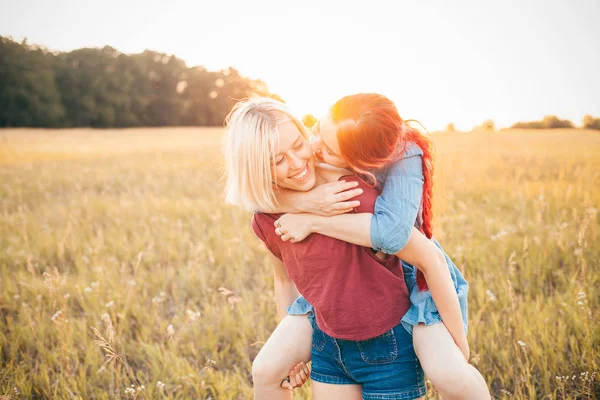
{"x": 110, "y": 304}
{"x": 193, "y": 314}
{"x": 67, "y": 296}
{"x": 521, "y": 343}
{"x": 499, "y": 235}
{"x": 160, "y": 298}
{"x": 95, "y": 284}
{"x": 56, "y": 315}
{"x": 225, "y": 292}
{"x": 160, "y": 385}
{"x": 87, "y": 289}
{"x": 490, "y": 295}
{"x": 170, "y": 331}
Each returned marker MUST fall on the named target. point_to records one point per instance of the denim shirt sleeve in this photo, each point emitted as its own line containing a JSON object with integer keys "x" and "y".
{"x": 397, "y": 207}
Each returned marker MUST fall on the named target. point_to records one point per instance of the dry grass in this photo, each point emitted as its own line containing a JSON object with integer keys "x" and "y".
{"x": 120, "y": 265}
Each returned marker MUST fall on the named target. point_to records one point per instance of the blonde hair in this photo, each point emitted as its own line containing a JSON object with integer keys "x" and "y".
{"x": 251, "y": 135}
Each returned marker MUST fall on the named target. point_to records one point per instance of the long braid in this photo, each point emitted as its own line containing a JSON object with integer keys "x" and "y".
{"x": 425, "y": 144}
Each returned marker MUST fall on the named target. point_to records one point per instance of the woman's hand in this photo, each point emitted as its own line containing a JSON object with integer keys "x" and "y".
{"x": 294, "y": 227}
{"x": 298, "y": 377}
{"x": 331, "y": 198}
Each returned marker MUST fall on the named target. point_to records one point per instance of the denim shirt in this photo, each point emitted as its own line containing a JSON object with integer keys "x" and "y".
{"x": 398, "y": 208}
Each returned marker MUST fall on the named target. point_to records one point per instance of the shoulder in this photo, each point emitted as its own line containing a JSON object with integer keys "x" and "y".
{"x": 410, "y": 160}
{"x": 411, "y": 150}
{"x": 261, "y": 223}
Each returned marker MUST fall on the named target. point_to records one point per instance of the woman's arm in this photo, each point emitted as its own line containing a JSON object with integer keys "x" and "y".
{"x": 328, "y": 199}
{"x": 285, "y": 289}
{"x": 351, "y": 228}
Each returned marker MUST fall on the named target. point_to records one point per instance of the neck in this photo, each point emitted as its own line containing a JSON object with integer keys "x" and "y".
{"x": 325, "y": 173}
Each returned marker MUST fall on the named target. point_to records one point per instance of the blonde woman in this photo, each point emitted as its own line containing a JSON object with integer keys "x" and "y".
{"x": 359, "y": 347}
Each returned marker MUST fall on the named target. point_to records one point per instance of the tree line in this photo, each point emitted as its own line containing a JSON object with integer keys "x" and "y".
{"x": 104, "y": 88}
{"x": 548, "y": 122}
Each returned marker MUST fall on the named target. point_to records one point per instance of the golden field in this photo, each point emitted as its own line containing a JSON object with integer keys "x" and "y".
{"x": 126, "y": 232}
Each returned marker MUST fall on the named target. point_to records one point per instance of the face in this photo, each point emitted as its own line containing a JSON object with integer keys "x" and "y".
{"x": 293, "y": 163}
{"x": 325, "y": 143}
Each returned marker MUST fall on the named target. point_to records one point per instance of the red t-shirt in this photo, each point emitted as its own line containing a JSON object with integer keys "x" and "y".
{"x": 356, "y": 296}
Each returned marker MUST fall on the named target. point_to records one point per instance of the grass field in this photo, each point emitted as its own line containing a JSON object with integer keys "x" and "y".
{"x": 125, "y": 231}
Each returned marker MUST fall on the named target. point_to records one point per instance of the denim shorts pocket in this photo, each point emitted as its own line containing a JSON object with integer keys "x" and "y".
{"x": 382, "y": 349}
{"x": 318, "y": 339}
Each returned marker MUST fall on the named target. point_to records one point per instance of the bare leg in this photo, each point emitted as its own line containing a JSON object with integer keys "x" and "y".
{"x": 290, "y": 343}
{"x": 445, "y": 366}
{"x": 326, "y": 391}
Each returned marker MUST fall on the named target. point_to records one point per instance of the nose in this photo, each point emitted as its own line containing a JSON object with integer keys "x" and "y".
{"x": 296, "y": 162}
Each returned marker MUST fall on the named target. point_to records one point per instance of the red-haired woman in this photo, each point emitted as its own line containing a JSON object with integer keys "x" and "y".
{"x": 365, "y": 133}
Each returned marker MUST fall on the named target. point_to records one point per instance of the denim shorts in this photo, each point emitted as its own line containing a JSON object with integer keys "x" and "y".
{"x": 385, "y": 366}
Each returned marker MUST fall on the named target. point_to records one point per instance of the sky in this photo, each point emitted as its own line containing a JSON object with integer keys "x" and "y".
{"x": 460, "y": 61}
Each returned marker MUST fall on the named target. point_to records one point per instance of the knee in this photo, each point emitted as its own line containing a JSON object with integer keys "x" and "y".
{"x": 265, "y": 373}
{"x": 452, "y": 381}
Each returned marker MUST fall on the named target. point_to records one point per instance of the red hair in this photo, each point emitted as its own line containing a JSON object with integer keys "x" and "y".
{"x": 371, "y": 135}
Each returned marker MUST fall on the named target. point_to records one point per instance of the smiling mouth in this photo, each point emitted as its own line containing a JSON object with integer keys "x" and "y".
{"x": 301, "y": 175}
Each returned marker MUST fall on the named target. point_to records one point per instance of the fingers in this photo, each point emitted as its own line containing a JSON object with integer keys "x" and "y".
{"x": 347, "y": 195}
{"x": 285, "y": 237}
{"x": 303, "y": 374}
{"x": 278, "y": 232}
{"x": 344, "y": 211}
{"x": 286, "y": 384}
{"x": 346, "y": 205}
{"x": 342, "y": 186}
{"x": 293, "y": 375}
{"x": 299, "y": 375}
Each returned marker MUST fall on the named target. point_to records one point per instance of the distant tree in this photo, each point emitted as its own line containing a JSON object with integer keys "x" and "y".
{"x": 28, "y": 92}
{"x": 309, "y": 120}
{"x": 450, "y": 127}
{"x": 590, "y": 122}
{"x": 553, "y": 122}
{"x": 548, "y": 122}
{"x": 487, "y": 125}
